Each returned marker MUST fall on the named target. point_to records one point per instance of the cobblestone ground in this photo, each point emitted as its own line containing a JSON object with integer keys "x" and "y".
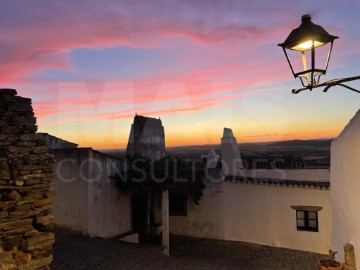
{"x": 73, "y": 251}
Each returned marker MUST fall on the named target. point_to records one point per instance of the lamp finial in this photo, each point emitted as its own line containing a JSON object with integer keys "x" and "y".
{"x": 306, "y": 17}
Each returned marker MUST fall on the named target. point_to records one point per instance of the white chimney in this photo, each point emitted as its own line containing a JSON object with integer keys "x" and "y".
{"x": 231, "y": 160}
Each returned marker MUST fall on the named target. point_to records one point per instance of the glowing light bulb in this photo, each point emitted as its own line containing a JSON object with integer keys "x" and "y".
{"x": 306, "y": 45}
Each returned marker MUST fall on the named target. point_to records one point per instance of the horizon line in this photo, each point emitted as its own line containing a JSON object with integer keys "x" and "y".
{"x": 258, "y": 142}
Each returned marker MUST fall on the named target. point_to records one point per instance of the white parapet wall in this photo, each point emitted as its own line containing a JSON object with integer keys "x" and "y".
{"x": 257, "y": 214}
{"x": 345, "y": 187}
{"x": 86, "y": 199}
{"x": 56, "y": 143}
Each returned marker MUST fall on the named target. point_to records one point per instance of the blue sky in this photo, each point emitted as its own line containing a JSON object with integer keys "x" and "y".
{"x": 89, "y": 66}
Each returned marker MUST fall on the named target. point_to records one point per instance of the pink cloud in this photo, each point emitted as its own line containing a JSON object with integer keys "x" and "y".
{"x": 192, "y": 92}
{"x": 229, "y": 40}
{"x": 86, "y": 114}
{"x": 39, "y": 40}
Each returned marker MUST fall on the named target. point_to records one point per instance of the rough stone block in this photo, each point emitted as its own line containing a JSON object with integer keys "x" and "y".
{"x": 11, "y": 130}
{"x": 5, "y": 226}
{"x": 23, "y": 120}
{"x": 9, "y": 242}
{"x": 38, "y": 241}
{"x": 43, "y": 202}
{"x": 3, "y": 214}
{"x": 26, "y": 143}
{"x": 5, "y": 174}
{"x": 8, "y": 91}
{"x": 21, "y": 257}
{"x": 14, "y": 195}
{"x": 37, "y": 264}
{"x": 39, "y": 149}
{"x": 30, "y": 128}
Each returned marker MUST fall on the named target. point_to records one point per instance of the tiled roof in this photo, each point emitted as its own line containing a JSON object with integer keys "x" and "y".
{"x": 279, "y": 182}
{"x": 274, "y": 163}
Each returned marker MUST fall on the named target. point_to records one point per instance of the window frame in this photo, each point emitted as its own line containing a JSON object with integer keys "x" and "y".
{"x": 306, "y": 220}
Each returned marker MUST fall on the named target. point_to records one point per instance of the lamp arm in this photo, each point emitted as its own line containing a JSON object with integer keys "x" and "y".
{"x": 329, "y": 84}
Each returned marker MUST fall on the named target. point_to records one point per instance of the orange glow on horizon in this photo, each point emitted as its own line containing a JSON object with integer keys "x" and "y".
{"x": 173, "y": 141}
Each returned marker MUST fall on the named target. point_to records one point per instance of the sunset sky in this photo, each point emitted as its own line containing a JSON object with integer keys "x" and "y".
{"x": 89, "y": 66}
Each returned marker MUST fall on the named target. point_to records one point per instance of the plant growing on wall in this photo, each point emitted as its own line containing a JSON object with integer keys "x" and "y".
{"x": 330, "y": 263}
{"x": 182, "y": 178}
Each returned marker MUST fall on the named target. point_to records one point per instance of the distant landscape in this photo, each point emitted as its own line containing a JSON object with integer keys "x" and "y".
{"x": 313, "y": 152}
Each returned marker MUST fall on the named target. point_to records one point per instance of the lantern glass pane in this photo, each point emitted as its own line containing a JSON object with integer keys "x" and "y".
{"x": 305, "y": 46}
{"x": 302, "y": 65}
{"x": 300, "y": 60}
{"x": 321, "y": 56}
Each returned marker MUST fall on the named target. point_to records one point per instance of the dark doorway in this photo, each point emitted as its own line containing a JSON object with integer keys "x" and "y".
{"x": 139, "y": 202}
{"x": 177, "y": 204}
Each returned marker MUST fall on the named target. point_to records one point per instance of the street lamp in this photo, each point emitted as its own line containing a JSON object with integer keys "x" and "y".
{"x": 305, "y": 41}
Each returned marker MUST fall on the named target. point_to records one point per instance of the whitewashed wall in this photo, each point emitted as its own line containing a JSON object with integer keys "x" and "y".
{"x": 205, "y": 220}
{"x": 71, "y": 197}
{"x": 345, "y": 184}
{"x": 109, "y": 210}
{"x": 86, "y": 200}
{"x": 257, "y": 214}
{"x": 263, "y": 214}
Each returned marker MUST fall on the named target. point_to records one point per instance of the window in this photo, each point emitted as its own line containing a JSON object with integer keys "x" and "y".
{"x": 307, "y": 220}
{"x": 307, "y": 217}
{"x": 177, "y": 204}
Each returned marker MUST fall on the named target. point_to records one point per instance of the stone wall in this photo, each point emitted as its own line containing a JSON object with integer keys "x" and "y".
{"x": 26, "y": 187}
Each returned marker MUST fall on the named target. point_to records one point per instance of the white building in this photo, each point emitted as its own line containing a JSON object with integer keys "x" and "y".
{"x": 252, "y": 205}
{"x": 284, "y": 206}
{"x": 86, "y": 199}
{"x": 345, "y": 184}
{"x": 288, "y": 208}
